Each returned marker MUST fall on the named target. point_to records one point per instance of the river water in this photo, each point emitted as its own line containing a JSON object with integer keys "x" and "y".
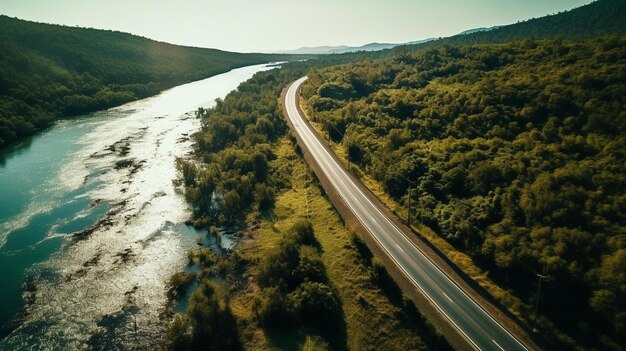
{"x": 91, "y": 222}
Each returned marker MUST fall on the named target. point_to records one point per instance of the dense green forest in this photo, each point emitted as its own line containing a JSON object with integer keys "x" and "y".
{"x": 515, "y": 154}
{"x": 234, "y": 150}
{"x": 52, "y": 71}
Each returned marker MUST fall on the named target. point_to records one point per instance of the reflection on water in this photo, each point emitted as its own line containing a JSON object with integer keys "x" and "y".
{"x": 12, "y": 150}
{"x": 101, "y": 189}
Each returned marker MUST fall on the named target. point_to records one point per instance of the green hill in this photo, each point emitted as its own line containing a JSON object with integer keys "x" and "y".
{"x": 50, "y": 71}
{"x": 597, "y": 18}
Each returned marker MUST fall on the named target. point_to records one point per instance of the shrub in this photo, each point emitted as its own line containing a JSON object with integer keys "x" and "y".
{"x": 310, "y": 267}
{"x": 178, "y": 284}
{"x": 316, "y": 305}
{"x": 272, "y": 309}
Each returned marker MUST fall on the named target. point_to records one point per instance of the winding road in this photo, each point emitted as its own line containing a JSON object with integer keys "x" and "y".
{"x": 472, "y": 321}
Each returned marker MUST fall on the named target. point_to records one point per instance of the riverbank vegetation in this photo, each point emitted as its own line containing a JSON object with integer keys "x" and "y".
{"x": 515, "y": 156}
{"x": 285, "y": 283}
{"x": 50, "y": 71}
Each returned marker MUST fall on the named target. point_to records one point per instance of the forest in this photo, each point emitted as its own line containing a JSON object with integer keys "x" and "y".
{"x": 49, "y": 72}
{"x": 230, "y": 174}
{"x": 514, "y": 153}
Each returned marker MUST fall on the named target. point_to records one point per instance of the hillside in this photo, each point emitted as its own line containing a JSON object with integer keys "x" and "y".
{"x": 515, "y": 154}
{"x": 52, "y": 71}
{"x": 597, "y": 18}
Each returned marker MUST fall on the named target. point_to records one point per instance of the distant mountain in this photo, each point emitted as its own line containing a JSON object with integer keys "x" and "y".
{"x": 366, "y": 47}
{"x": 342, "y": 49}
{"x": 315, "y": 50}
{"x": 51, "y": 71}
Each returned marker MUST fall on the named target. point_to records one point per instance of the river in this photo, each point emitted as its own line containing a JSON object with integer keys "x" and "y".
{"x": 92, "y": 222}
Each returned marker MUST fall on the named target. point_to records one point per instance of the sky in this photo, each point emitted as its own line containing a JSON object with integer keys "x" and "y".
{"x": 274, "y": 25}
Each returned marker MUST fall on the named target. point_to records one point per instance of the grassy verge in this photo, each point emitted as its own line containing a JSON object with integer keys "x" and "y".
{"x": 376, "y": 317}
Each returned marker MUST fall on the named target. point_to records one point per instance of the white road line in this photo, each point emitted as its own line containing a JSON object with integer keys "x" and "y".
{"x": 308, "y": 138}
{"x": 341, "y": 177}
{"x": 501, "y": 348}
{"x": 446, "y": 295}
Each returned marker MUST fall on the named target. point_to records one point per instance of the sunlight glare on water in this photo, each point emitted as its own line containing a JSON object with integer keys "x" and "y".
{"x": 111, "y": 189}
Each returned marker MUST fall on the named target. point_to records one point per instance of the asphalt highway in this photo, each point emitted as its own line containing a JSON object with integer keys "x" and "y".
{"x": 472, "y": 321}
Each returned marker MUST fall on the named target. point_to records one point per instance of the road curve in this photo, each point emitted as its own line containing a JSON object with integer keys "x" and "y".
{"x": 474, "y": 323}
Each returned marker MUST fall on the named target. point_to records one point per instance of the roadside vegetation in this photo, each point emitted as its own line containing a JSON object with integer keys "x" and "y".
{"x": 49, "y": 72}
{"x": 298, "y": 279}
{"x": 514, "y": 155}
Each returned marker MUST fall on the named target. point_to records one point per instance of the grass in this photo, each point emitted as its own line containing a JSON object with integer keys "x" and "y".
{"x": 374, "y": 319}
{"x": 460, "y": 259}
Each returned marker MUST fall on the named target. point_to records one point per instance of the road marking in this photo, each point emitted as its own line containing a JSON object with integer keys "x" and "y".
{"x": 312, "y": 142}
{"x": 386, "y": 249}
{"x": 501, "y": 348}
{"x": 447, "y": 297}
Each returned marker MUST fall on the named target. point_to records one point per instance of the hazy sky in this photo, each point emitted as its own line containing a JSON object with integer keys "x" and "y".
{"x": 256, "y": 25}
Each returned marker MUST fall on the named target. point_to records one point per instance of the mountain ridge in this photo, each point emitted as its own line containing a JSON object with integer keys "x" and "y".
{"x": 601, "y": 17}
{"x": 342, "y": 49}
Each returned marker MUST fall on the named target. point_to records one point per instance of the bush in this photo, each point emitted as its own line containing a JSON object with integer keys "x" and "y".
{"x": 288, "y": 266}
{"x": 276, "y": 269}
{"x": 302, "y": 233}
{"x": 316, "y": 305}
{"x": 178, "y": 284}
{"x": 273, "y": 310}
{"x": 310, "y": 267}
{"x": 213, "y": 326}
{"x": 209, "y": 324}
{"x": 179, "y": 334}
{"x": 264, "y": 197}
{"x": 202, "y": 257}
{"x": 293, "y": 280}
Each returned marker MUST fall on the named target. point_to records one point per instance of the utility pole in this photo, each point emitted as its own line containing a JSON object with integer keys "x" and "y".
{"x": 328, "y": 131}
{"x": 410, "y": 193}
{"x": 348, "y": 155}
{"x": 541, "y": 277}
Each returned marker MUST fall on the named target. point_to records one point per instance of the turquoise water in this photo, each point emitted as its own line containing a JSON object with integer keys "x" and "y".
{"x": 28, "y": 211}
{"x": 91, "y": 222}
